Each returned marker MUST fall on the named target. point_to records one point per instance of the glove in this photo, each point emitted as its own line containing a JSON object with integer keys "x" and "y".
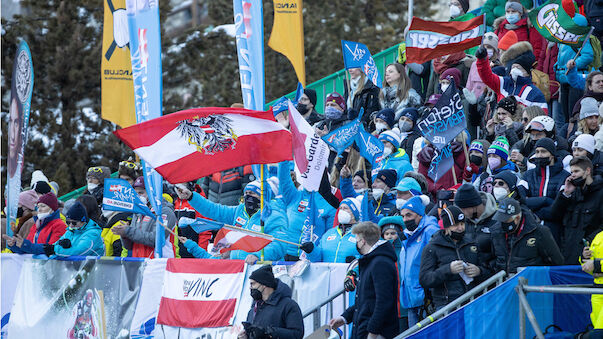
{"x": 349, "y": 259}
{"x": 48, "y": 249}
{"x": 469, "y": 96}
{"x": 349, "y": 283}
{"x": 65, "y": 243}
{"x": 307, "y": 247}
{"x": 469, "y": 171}
{"x": 481, "y": 53}
{"x": 256, "y": 332}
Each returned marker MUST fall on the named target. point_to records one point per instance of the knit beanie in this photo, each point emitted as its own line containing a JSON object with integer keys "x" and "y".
{"x": 589, "y": 107}
{"x": 480, "y": 146}
{"x": 508, "y": 40}
{"x": 490, "y": 39}
{"x": 129, "y": 168}
{"x": 364, "y": 175}
{"x": 387, "y": 115}
{"x": 454, "y": 73}
{"x": 254, "y": 187}
{"x": 508, "y": 177}
{"x": 500, "y": 147}
{"x": 584, "y": 141}
{"x": 509, "y": 104}
{"x": 336, "y": 98}
{"x": 393, "y": 222}
{"x": 525, "y": 60}
{"x": 388, "y": 176}
{"x": 415, "y": 204}
{"x": 311, "y": 95}
{"x": 410, "y": 113}
{"x": 451, "y": 215}
{"x": 354, "y": 206}
{"x": 264, "y": 276}
{"x": 77, "y": 212}
{"x": 548, "y": 144}
{"x": 42, "y": 187}
{"x": 139, "y": 182}
{"x": 28, "y": 199}
{"x": 515, "y": 6}
{"x": 467, "y": 196}
{"x": 99, "y": 172}
{"x": 390, "y": 136}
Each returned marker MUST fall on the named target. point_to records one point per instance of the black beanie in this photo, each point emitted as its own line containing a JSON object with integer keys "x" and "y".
{"x": 264, "y": 276}
{"x": 41, "y": 187}
{"x": 311, "y": 95}
{"x": 365, "y": 175}
{"x": 509, "y": 104}
{"x": 77, "y": 212}
{"x": 525, "y": 60}
{"x": 467, "y": 196}
{"x": 388, "y": 176}
{"x": 548, "y": 144}
{"x": 451, "y": 215}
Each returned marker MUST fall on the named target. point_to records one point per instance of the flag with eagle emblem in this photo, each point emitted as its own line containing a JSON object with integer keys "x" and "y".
{"x": 194, "y": 143}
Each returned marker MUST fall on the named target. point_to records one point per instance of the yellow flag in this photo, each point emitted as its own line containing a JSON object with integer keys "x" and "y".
{"x": 287, "y": 35}
{"x": 117, "y": 88}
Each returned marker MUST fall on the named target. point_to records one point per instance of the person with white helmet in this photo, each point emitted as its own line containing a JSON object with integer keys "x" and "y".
{"x": 584, "y": 145}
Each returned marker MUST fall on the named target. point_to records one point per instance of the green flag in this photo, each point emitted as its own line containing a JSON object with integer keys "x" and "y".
{"x": 553, "y": 23}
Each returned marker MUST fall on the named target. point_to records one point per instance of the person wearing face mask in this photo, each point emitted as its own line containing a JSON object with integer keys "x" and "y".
{"x": 338, "y": 244}
{"x": 578, "y": 206}
{"x": 543, "y": 183}
{"x": 273, "y": 313}
{"x": 47, "y": 229}
{"x": 478, "y": 160}
{"x": 95, "y": 178}
{"x": 394, "y": 157}
{"x": 498, "y": 161}
{"x": 383, "y": 121}
{"x": 504, "y": 123}
{"x": 507, "y": 185}
{"x": 335, "y": 114}
{"x": 383, "y": 200}
{"x": 418, "y": 231}
{"x": 519, "y": 241}
{"x": 306, "y": 106}
{"x": 408, "y": 131}
{"x": 516, "y": 19}
{"x": 584, "y": 145}
{"x": 408, "y": 188}
{"x": 246, "y": 215}
{"x": 449, "y": 253}
{"x": 138, "y": 238}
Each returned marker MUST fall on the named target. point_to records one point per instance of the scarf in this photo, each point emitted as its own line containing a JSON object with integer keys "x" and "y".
{"x": 452, "y": 60}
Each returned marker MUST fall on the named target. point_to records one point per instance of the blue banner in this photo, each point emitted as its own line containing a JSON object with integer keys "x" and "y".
{"x": 441, "y": 163}
{"x": 445, "y": 120}
{"x": 357, "y": 55}
{"x": 282, "y": 104}
{"x": 20, "y": 103}
{"x": 199, "y": 225}
{"x": 344, "y": 136}
{"x": 145, "y": 52}
{"x": 118, "y": 195}
{"x": 249, "y": 32}
{"x": 370, "y": 147}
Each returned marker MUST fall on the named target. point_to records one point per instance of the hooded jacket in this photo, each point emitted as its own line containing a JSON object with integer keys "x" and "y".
{"x": 399, "y": 161}
{"x": 480, "y": 230}
{"x": 280, "y": 315}
{"x": 47, "y": 231}
{"x": 335, "y": 246}
{"x": 139, "y": 237}
{"x": 374, "y": 310}
{"x": 85, "y": 241}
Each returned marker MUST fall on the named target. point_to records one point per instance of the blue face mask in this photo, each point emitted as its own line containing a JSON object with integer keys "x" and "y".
{"x": 332, "y": 113}
{"x": 512, "y": 18}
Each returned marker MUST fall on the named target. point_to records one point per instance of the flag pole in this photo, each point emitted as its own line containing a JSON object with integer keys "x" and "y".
{"x": 262, "y": 206}
{"x": 465, "y": 149}
{"x": 583, "y": 43}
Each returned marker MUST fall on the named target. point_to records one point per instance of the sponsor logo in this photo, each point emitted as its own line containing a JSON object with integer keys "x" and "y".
{"x": 547, "y": 19}
{"x": 115, "y": 188}
{"x": 331, "y": 237}
{"x": 473, "y": 249}
{"x": 23, "y": 78}
{"x": 531, "y": 242}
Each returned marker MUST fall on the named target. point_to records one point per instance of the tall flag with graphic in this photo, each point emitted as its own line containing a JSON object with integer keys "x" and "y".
{"x": 287, "y": 35}
{"x": 369, "y": 146}
{"x": 310, "y": 152}
{"x": 441, "y": 162}
{"x": 249, "y": 26}
{"x": 117, "y": 90}
{"x": 21, "y": 90}
{"x": 357, "y": 55}
{"x": 427, "y": 40}
{"x": 555, "y": 24}
{"x": 445, "y": 120}
{"x": 194, "y": 143}
{"x": 344, "y": 136}
{"x": 145, "y": 55}
{"x": 118, "y": 195}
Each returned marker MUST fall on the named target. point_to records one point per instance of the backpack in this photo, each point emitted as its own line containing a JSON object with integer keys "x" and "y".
{"x": 541, "y": 80}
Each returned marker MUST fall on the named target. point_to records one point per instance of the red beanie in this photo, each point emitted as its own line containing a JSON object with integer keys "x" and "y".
{"x": 508, "y": 40}
{"x": 51, "y": 200}
{"x": 337, "y": 98}
{"x": 454, "y": 73}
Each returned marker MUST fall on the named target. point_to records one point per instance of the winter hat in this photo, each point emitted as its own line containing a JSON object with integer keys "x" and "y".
{"x": 541, "y": 123}
{"x": 548, "y": 144}
{"x": 36, "y": 176}
{"x": 415, "y": 204}
{"x": 254, "y": 187}
{"x": 28, "y": 199}
{"x": 54, "y": 187}
{"x": 139, "y": 182}
{"x": 508, "y": 177}
{"x": 515, "y": 6}
{"x": 50, "y": 200}
{"x": 264, "y": 276}
{"x": 589, "y": 108}
{"x": 390, "y": 136}
{"x": 500, "y": 147}
{"x": 336, "y": 98}
{"x": 584, "y": 141}
{"x": 464, "y": 5}
{"x": 311, "y": 95}
{"x": 451, "y": 215}
{"x": 408, "y": 184}
{"x": 99, "y": 172}
{"x": 467, "y": 196}
{"x": 77, "y": 212}
{"x": 393, "y": 222}
{"x": 411, "y": 113}
{"x": 42, "y": 187}
{"x": 508, "y": 40}
{"x": 454, "y": 73}
{"x": 129, "y": 168}
{"x": 388, "y": 176}
{"x": 490, "y": 39}
{"x": 364, "y": 175}
{"x": 387, "y": 115}
{"x": 509, "y": 104}
{"x": 479, "y": 145}
{"x": 525, "y": 60}
{"x": 354, "y": 206}
{"x": 433, "y": 99}
{"x": 507, "y": 208}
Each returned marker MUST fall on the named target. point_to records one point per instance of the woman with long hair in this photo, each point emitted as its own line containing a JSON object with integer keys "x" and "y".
{"x": 397, "y": 92}
{"x": 361, "y": 93}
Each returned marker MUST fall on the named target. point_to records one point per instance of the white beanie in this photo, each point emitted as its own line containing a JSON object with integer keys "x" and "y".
{"x": 589, "y": 107}
{"x": 586, "y": 142}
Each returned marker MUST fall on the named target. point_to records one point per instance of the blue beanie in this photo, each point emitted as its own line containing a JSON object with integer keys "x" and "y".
{"x": 77, "y": 212}
{"x": 390, "y": 136}
{"x": 254, "y": 187}
{"x": 354, "y": 206}
{"x": 387, "y": 115}
{"x": 411, "y": 113}
{"x": 415, "y": 204}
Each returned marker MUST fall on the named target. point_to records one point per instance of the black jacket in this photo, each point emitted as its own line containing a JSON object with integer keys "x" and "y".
{"x": 280, "y": 315}
{"x": 526, "y": 148}
{"x": 368, "y": 99}
{"x": 377, "y": 294}
{"x": 480, "y": 230}
{"x": 531, "y": 245}
{"x": 435, "y": 267}
{"x": 582, "y": 218}
{"x": 314, "y": 117}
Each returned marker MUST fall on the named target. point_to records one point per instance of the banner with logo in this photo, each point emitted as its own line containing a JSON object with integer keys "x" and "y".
{"x": 556, "y": 25}
{"x": 445, "y": 120}
{"x": 117, "y": 90}
{"x": 18, "y": 122}
{"x": 75, "y": 299}
{"x": 249, "y": 27}
{"x": 287, "y": 35}
{"x": 118, "y": 195}
{"x": 282, "y": 103}
{"x": 145, "y": 53}
{"x": 369, "y": 146}
{"x": 357, "y": 55}
{"x": 344, "y": 136}
{"x": 441, "y": 162}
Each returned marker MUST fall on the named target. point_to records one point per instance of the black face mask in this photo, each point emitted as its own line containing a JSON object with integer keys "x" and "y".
{"x": 474, "y": 215}
{"x": 476, "y": 159}
{"x": 256, "y": 294}
{"x": 302, "y": 108}
{"x": 252, "y": 204}
{"x": 410, "y": 225}
{"x": 509, "y": 227}
{"x": 19, "y": 212}
{"x": 541, "y": 162}
{"x": 458, "y": 236}
{"x": 578, "y": 182}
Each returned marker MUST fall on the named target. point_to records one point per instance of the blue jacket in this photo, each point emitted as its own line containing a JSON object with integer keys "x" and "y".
{"x": 84, "y": 241}
{"x": 398, "y": 161}
{"x": 384, "y": 206}
{"x": 237, "y": 216}
{"x": 411, "y": 292}
{"x": 577, "y": 81}
{"x": 296, "y": 203}
{"x": 566, "y": 53}
{"x": 334, "y": 246}
{"x": 346, "y": 188}
{"x": 197, "y": 251}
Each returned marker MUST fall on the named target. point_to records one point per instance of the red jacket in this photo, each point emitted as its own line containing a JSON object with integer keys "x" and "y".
{"x": 447, "y": 180}
{"x": 524, "y": 34}
{"x": 48, "y": 232}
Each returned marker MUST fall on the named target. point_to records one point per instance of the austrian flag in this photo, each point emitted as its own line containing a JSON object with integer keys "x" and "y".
{"x": 194, "y": 143}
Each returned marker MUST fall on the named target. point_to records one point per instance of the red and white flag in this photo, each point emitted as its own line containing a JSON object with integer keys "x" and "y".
{"x": 310, "y": 152}
{"x": 427, "y": 40}
{"x": 194, "y": 143}
{"x": 231, "y": 238}
{"x": 201, "y": 292}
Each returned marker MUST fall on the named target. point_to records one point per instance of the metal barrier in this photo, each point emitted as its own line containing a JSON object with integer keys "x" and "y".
{"x": 524, "y": 306}
{"x": 457, "y": 303}
{"x": 316, "y": 310}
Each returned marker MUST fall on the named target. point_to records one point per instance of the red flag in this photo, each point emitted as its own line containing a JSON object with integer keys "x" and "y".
{"x": 231, "y": 238}
{"x": 194, "y": 143}
{"x": 427, "y": 40}
{"x": 200, "y": 292}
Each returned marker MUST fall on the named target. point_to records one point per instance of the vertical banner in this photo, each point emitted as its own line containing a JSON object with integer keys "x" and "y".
{"x": 145, "y": 52}
{"x": 20, "y": 102}
{"x": 249, "y": 26}
{"x": 441, "y": 162}
{"x": 287, "y": 35}
{"x": 117, "y": 91}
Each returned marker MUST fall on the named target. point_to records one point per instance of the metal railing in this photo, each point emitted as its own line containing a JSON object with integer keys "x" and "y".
{"x": 315, "y": 311}
{"x": 457, "y": 303}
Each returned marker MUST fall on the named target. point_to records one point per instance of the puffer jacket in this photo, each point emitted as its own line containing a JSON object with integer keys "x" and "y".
{"x": 567, "y": 53}
{"x": 139, "y": 237}
{"x": 524, "y": 32}
{"x": 226, "y": 187}
{"x": 335, "y": 246}
{"x": 46, "y": 231}
{"x": 480, "y": 229}
{"x": 86, "y": 240}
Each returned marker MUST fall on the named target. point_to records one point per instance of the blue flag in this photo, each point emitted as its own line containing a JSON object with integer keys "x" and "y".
{"x": 364, "y": 207}
{"x": 445, "y": 120}
{"x": 298, "y": 93}
{"x": 199, "y": 225}
{"x": 370, "y": 147}
{"x": 282, "y": 103}
{"x": 118, "y": 195}
{"x": 357, "y": 55}
{"x": 344, "y": 136}
{"x": 441, "y": 162}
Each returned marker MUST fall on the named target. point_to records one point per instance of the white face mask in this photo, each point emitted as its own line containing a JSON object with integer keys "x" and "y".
{"x": 42, "y": 216}
{"x": 377, "y": 193}
{"x": 380, "y": 126}
{"x": 444, "y": 87}
{"x": 360, "y": 191}
{"x": 490, "y": 53}
{"x": 387, "y": 151}
{"x": 107, "y": 214}
{"x": 400, "y": 203}
{"x": 515, "y": 73}
{"x": 454, "y": 11}
{"x": 499, "y": 193}
{"x": 91, "y": 186}
{"x": 143, "y": 199}
{"x": 344, "y": 217}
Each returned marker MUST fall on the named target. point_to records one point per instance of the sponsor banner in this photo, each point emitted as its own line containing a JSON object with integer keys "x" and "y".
{"x": 554, "y": 24}
{"x": 118, "y": 195}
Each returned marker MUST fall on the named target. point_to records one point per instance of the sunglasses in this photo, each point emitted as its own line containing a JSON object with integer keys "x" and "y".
{"x": 128, "y": 164}
{"x": 71, "y": 222}
{"x": 334, "y": 94}
{"x": 95, "y": 169}
{"x": 499, "y": 183}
